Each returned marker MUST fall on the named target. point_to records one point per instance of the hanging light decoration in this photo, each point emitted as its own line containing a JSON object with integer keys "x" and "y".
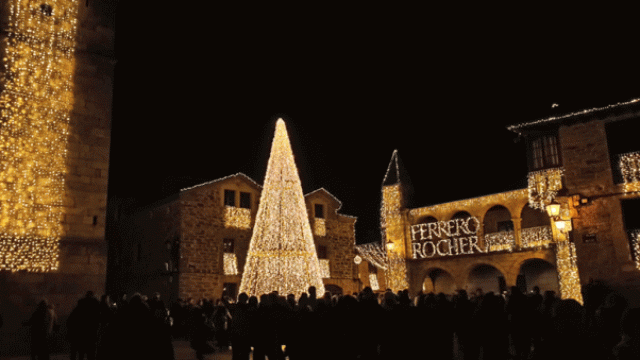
{"x": 543, "y": 186}
{"x": 35, "y": 107}
{"x": 282, "y": 256}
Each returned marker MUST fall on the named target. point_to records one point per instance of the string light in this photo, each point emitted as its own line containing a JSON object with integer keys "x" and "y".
{"x": 516, "y": 128}
{"x": 500, "y": 241}
{"x": 237, "y": 217}
{"x": 35, "y": 106}
{"x": 630, "y": 169}
{"x": 374, "y": 254}
{"x": 567, "y": 265}
{"x": 478, "y": 202}
{"x": 635, "y": 246}
{"x": 325, "y": 271}
{"x": 373, "y": 282}
{"x": 230, "y": 264}
{"x": 543, "y": 186}
{"x": 393, "y": 232}
{"x": 282, "y": 256}
{"x": 536, "y": 237}
{"x": 319, "y": 227}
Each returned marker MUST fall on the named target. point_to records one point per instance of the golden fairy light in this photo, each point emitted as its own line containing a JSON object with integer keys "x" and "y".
{"x": 536, "y": 237}
{"x": 630, "y": 168}
{"x": 230, "y": 264}
{"x": 237, "y": 217}
{"x": 567, "y": 265}
{"x": 501, "y": 241}
{"x": 635, "y": 247}
{"x": 543, "y": 186}
{"x": 319, "y": 227}
{"x": 35, "y": 106}
{"x": 393, "y": 235}
{"x": 282, "y": 256}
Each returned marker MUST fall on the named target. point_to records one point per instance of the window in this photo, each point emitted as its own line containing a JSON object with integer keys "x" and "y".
{"x": 544, "y": 153}
{"x": 229, "y": 198}
{"x": 228, "y": 246}
{"x": 372, "y": 269}
{"x": 623, "y": 148}
{"x": 505, "y": 225}
{"x": 322, "y": 252}
{"x": 46, "y": 9}
{"x": 319, "y": 211}
{"x": 245, "y": 200}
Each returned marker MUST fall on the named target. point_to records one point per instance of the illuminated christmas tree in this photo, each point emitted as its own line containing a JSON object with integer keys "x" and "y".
{"x": 282, "y": 255}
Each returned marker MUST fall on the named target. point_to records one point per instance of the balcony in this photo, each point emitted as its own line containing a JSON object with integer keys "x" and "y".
{"x": 534, "y": 238}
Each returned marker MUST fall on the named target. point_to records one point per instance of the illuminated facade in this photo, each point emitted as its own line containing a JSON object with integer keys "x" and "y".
{"x": 194, "y": 244}
{"x": 585, "y": 162}
{"x": 56, "y": 71}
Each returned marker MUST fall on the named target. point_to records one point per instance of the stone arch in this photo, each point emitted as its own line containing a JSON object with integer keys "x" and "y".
{"x": 539, "y": 272}
{"x": 497, "y": 218}
{"x": 426, "y": 219}
{"x": 533, "y": 217}
{"x": 438, "y": 280}
{"x": 462, "y": 214}
{"x": 333, "y": 289}
{"x": 487, "y": 277}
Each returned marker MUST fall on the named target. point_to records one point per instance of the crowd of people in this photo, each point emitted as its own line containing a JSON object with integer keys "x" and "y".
{"x": 365, "y": 325}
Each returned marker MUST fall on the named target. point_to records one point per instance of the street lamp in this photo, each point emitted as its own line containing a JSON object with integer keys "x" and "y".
{"x": 553, "y": 209}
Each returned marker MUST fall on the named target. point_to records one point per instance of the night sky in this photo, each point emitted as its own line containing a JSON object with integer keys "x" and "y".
{"x": 198, "y": 91}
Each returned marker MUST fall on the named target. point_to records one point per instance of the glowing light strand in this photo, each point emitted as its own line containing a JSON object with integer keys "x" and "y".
{"x": 374, "y": 254}
{"x": 393, "y": 229}
{"x": 543, "y": 186}
{"x": 282, "y": 255}
{"x": 230, "y": 264}
{"x": 536, "y": 237}
{"x": 516, "y": 128}
{"x": 501, "y": 241}
{"x": 635, "y": 247}
{"x": 629, "y": 164}
{"x": 373, "y": 282}
{"x": 568, "y": 278}
{"x": 35, "y": 106}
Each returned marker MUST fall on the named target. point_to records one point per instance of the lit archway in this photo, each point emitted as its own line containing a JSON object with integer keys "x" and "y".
{"x": 487, "y": 278}
{"x": 439, "y": 281}
{"x": 538, "y": 272}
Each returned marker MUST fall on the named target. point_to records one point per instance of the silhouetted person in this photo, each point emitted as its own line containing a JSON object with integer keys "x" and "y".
{"x": 606, "y": 321}
{"x": 313, "y": 298}
{"x": 200, "y": 331}
{"x": 629, "y": 346}
{"x": 107, "y": 315}
{"x": 519, "y": 318}
{"x": 41, "y": 326}
{"x": 240, "y": 328}
{"x": 490, "y": 325}
{"x": 221, "y": 319}
{"x": 463, "y": 314}
{"x": 567, "y": 337}
{"x": 82, "y": 328}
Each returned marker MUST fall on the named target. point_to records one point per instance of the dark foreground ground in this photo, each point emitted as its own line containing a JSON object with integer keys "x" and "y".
{"x": 182, "y": 349}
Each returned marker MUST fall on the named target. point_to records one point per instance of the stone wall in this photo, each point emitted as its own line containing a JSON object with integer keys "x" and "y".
{"x": 83, "y": 251}
{"x": 598, "y": 227}
{"x": 460, "y": 267}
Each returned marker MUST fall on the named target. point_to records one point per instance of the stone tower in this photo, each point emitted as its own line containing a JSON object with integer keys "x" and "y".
{"x": 56, "y": 87}
{"x": 396, "y": 193}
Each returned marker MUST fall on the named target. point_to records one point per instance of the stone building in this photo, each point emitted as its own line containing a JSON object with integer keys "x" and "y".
{"x": 55, "y": 155}
{"x": 194, "y": 244}
{"x": 586, "y": 164}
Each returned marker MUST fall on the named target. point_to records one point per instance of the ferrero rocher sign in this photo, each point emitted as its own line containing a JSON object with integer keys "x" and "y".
{"x": 446, "y": 238}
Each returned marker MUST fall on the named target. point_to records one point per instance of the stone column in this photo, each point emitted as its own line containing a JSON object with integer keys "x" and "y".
{"x": 517, "y": 228}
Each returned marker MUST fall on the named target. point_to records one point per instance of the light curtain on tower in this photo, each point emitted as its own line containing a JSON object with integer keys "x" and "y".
{"x": 282, "y": 255}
